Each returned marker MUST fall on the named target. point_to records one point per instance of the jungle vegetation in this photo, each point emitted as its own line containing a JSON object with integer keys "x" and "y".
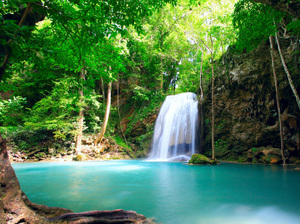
{"x": 65, "y": 65}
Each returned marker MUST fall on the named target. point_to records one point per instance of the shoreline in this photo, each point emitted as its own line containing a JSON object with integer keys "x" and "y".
{"x": 70, "y": 159}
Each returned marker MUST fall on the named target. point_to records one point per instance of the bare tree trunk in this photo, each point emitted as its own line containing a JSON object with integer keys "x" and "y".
{"x": 212, "y": 102}
{"x": 287, "y": 72}
{"x": 81, "y": 115}
{"x": 201, "y": 107}
{"x": 162, "y": 74}
{"x": 213, "y": 112}
{"x": 118, "y": 104}
{"x": 14, "y": 204}
{"x": 201, "y": 73}
{"x": 277, "y": 100}
{"x": 103, "y": 128}
{"x": 103, "y": 91}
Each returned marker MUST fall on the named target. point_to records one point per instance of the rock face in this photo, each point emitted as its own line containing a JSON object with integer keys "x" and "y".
{"x": 246, "y": 114}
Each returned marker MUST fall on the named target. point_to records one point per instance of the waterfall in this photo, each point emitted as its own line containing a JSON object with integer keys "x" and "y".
{"x": 175, "y": 128}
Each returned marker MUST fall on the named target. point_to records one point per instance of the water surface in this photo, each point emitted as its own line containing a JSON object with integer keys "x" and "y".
{"x": 173, "y": 193}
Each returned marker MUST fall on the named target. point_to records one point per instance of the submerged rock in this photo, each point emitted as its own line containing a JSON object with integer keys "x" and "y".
{"x": 115, "y": 216}
{"x": 180, "y": 158}
{"x": 198, "y": 159}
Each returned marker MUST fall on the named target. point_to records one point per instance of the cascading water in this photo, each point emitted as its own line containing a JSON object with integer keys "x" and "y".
{"x": 175, "y": 128}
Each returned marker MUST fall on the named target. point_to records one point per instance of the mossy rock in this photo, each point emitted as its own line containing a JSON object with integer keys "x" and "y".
{"x": 80, "y": 157}
{"x": 199, "y": 159}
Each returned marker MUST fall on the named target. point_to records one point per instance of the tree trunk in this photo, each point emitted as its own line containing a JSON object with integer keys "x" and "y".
{"x": 212, "y": 100}
{"x": 118, "y": 105}
{"x": 201, "y": 73}
{"x": 212, "y": 112}
{"x": 103, "y": 91}
{"x": 201, "y": 117}
{"x": 287, "y": 72}
{"x": 161, "y": 74}
{"x": 81, "y": 115}
{"x": 277, "y": 100}
{"x": 14, "y": 204}
{"x": 103, "y": 128}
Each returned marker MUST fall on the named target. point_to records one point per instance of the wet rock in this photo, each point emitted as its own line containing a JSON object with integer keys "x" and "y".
{"x": 51, "y": 150}
{"x": 199, "y": 159}
{"x": 245, "y": 109}
{"x": 80, "y": 157}
{"x": 181, "y": 158}
{"x": 104, "y": 217}
{"x": 267, "y": 155}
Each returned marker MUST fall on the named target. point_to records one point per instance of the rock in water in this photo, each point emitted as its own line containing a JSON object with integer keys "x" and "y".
{"x": 199, "y": 159}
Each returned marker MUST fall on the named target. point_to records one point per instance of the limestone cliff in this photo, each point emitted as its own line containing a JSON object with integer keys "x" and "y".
{"x": 246, "y": 114}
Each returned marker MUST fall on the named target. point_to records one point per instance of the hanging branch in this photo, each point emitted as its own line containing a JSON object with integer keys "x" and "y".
{"x": 212, "y": 100}
{"x": 287, "y": 73}
{"x": 277, "y": 100}
{"x": 81, "y": 115}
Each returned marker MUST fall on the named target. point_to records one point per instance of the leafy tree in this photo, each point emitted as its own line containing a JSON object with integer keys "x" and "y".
{"x": 11, "y": 111}
{"x": 255, "y": 23}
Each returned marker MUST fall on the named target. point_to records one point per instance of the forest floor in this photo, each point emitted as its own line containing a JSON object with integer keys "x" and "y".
{"x": 109, "y": 149}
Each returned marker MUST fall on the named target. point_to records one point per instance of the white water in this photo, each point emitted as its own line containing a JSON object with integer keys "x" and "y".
{"x": 175, "y": 129}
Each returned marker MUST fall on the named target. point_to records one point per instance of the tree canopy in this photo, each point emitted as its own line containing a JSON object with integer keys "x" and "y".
{"x": 50, "y": 51}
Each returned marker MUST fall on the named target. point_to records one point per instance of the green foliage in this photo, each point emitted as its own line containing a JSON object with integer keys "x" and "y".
{"x": 56, "y": 111}
{"x": 254, "y": 23}
{"x": 27, "y": 140}
{"x": 11, "y": 111}
{"x": 120, "y": 142}
{"x": 40, "y": 155}
{"x": 145, "y": 109}
{"x": 140, "y": 94}
{"x": 199, "y": 159}
{"x": 294, "y": 26}
{"x": 221, "y": 147}
{"x": 151, "y": 52}
{"x": 254, "y": 150}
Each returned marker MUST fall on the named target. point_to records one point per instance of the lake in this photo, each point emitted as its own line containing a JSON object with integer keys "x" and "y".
{"x": 172, "y": 193}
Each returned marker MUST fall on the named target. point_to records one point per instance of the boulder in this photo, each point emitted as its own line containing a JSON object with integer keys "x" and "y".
{"x": 80, "y": 157}
{"x": 199, "y": 159}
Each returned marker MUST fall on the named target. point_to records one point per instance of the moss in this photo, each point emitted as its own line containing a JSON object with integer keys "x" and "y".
{"x": 201, "y": 159}
{"x": 79, "y": 157}
{"x": 242, "y": 160}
